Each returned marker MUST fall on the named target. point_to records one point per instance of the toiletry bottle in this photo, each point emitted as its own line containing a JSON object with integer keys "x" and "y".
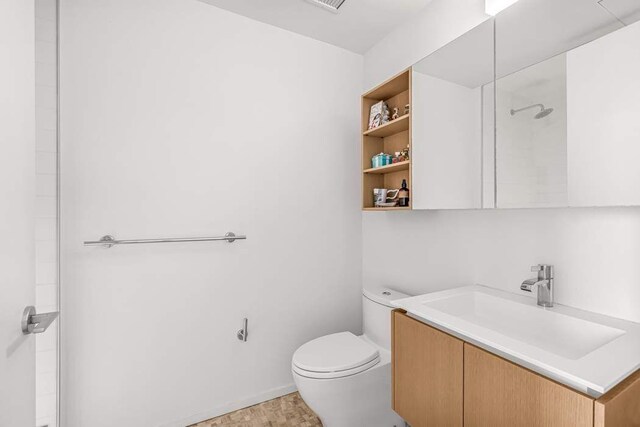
{"x": 403, "y": 195}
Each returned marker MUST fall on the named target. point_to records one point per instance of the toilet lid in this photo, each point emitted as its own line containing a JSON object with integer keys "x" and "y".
{"x": 335, "y": 355}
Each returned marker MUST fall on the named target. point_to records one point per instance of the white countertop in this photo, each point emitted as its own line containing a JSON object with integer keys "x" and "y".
{"x": 587, "y": 351}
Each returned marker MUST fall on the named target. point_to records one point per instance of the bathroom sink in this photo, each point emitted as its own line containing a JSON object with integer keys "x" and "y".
{"x": 587, "y": 351}
{"x": 560, "y": 334}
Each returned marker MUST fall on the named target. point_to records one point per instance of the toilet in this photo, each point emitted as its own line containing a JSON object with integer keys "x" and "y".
{"x": 346, "y": 379}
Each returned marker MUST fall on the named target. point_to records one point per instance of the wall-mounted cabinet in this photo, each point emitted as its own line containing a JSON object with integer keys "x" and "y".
{"x": 453, "y": 121}
{"x": 386, "y": 137}
{"x": 502, "y": 118}
{"x": 448, "y": 124}
{"x": 440, "y": 380}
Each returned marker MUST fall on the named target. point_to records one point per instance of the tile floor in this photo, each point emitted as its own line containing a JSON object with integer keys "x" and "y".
{"x": 289, "y": 410}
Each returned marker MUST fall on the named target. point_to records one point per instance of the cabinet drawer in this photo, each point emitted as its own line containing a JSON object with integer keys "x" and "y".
{"x": 621, "y": 406}
{"x": 498, "y": 393}
{"x": 427, "y": 374}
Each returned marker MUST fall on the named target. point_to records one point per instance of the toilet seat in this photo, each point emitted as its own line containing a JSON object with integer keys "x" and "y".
{"x": 335, "y": 356}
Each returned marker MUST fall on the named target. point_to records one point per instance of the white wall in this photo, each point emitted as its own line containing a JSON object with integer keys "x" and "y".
{"x": 595, "y": 250}
{"x": 180, "y": 119}
{"x": 46, "y": 239}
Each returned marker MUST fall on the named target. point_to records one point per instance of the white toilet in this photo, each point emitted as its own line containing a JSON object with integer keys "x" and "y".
{"x": 346, "y": 379}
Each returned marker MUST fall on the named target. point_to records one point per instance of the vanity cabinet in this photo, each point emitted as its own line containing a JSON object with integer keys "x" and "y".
{"x": 621, "y": 406}
{"x": 440, "y": 380}
{"x": 500, "y": 393}
{"x": 427, "y": 374}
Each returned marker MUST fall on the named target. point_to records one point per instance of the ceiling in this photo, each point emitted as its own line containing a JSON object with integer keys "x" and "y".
{"x": 357, "y": 26}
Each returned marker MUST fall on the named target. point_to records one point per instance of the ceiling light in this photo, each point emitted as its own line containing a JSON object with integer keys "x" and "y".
{"x": 493, "y": 7}
{"x": 332, "y": 5}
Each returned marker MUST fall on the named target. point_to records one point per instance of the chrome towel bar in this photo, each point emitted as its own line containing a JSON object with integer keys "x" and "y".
{"x": 109, "y": 241}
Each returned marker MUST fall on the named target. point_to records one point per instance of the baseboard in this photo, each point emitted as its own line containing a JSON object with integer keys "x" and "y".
{"x": 233, "y": 406}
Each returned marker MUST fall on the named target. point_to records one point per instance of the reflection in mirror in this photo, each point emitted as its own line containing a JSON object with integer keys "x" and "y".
{"x": 532, "y": 130}
{"x": 567, "y": 104}
{"x": 532, "y": 31}
{"x": 450, "y": 125}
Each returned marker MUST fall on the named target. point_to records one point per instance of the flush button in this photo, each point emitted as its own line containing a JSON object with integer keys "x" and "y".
{"x": 386, "y": 293}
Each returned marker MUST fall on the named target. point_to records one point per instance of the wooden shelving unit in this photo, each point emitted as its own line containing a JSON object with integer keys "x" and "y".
{"x": 388, "y": 138}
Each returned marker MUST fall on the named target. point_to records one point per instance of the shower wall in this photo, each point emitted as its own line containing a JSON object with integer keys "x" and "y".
{"x": 180, "y": 119}
{"x": 46, "y": 209}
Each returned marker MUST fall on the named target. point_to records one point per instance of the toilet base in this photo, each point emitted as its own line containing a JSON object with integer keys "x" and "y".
{"x": 361, "y": 400}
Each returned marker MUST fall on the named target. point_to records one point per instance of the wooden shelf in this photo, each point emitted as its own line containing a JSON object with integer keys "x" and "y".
{"x": 391, "y": 137}
{"x": 395, "y": 167}
{"x": 396, "y": 208}
{"x": 395, "y": 126}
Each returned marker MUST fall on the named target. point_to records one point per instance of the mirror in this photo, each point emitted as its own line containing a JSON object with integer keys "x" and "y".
{"x": 452, "y": 123}
{"x": 567, "y": 106}
{"x": 545, "y": 115}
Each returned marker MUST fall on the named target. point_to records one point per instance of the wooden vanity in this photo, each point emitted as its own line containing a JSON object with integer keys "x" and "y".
{"x": 440, "y": 380}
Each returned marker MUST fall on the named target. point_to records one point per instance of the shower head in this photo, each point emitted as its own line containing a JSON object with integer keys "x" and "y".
{"x": 544, "y": 112}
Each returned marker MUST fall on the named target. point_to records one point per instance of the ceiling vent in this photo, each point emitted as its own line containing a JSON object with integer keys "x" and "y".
{"x": 332, "y": 5}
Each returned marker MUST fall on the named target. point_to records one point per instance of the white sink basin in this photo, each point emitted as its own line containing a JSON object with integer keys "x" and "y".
{"x": 587, "y": 351}
{"x": 560, "y": 334}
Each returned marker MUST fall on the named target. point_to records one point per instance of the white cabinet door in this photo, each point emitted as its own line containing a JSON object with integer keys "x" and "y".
{"x": 17, "y": 196}
{"x": 447, "y": 144}
{"x": 603, "y": 120}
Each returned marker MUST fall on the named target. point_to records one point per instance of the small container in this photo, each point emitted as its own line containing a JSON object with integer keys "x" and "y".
{"x": 380, "y": 160}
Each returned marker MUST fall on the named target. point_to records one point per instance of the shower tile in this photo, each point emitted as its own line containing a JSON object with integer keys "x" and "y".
{"x": 46, "y": 183}
{"x": 46, "y": 9}
{"x": 46, "y": 163}
{"x": 45, "y": 74}
{"x": 46, "y": 118}
{"x": 46, "y": 274}
{"x": 46, "y": 207}
{"x": 46, "y": 230}
{"x": 46, "y": 52}
{"x": 46, "y": 140}
{"x": 46, "y": 30}
{"x": 46, "y": 96}
{"x": 46, "y": 361}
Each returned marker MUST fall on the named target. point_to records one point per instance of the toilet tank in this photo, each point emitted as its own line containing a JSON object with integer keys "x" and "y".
{"x": 376, "y": 314}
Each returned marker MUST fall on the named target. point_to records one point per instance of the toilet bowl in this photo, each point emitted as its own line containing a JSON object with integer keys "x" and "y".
{"x": 346, "y": 379}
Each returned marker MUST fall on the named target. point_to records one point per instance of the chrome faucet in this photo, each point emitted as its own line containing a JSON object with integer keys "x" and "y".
{"x": 544, "y": 283}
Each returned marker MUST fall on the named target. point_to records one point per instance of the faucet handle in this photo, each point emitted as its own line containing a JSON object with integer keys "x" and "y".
{"x": 545, "y": 271}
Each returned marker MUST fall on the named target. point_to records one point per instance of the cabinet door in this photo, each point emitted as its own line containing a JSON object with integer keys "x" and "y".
{"x": 498, "y": 393}
{"x": 427, "y": 374}
{"x": 621, "y": 406}
{"x": 447, "y": 131}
